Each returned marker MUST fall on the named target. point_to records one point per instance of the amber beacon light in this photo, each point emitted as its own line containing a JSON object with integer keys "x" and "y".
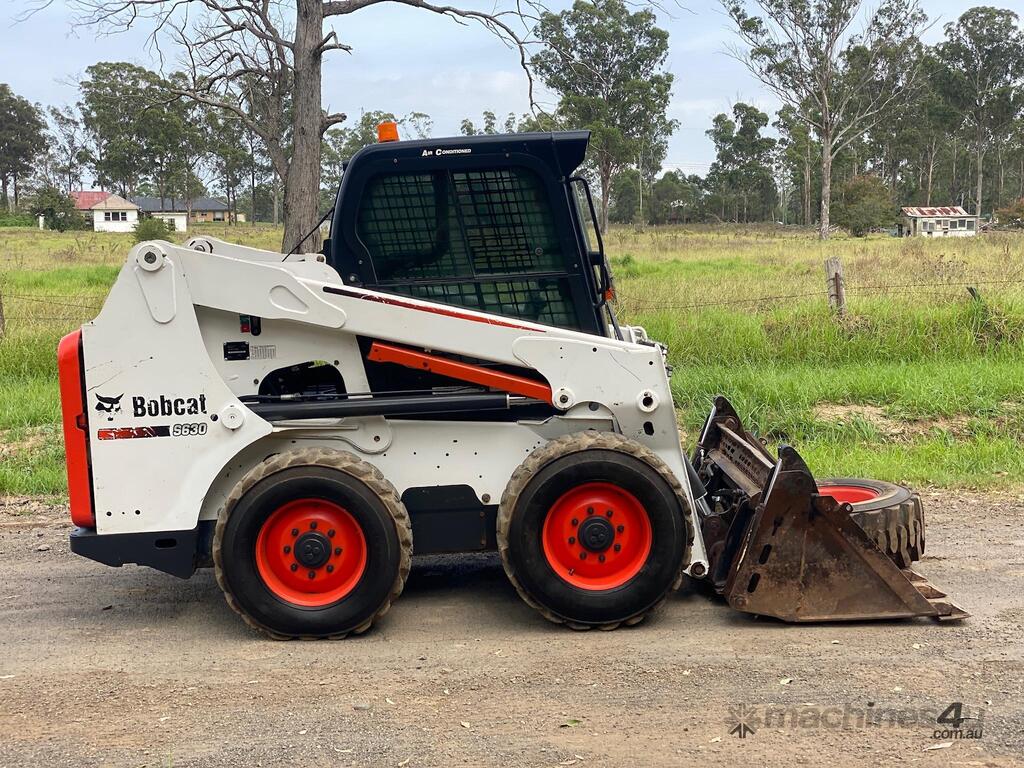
{"x": 387, "y": 132}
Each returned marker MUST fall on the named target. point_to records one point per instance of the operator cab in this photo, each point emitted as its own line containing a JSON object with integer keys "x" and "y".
{"x": 497, "y": 224}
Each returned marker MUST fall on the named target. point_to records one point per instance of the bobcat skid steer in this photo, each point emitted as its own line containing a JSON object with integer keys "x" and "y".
{"x": 446, "y": 376}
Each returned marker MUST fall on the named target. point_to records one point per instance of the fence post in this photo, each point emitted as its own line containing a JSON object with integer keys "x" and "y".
{"x": 836, "y": 286}
{"x": 2, "y": 323}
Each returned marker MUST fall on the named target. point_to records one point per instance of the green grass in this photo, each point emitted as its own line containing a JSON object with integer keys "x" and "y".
{"x": 918, "y": 383}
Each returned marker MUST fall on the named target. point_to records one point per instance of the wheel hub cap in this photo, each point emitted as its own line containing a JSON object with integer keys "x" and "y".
{"x": 312, "y": 550}
{"x": 596, "y": 534}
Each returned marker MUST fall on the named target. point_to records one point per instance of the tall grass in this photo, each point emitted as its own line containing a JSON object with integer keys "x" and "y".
{"x": 743, "y": 311}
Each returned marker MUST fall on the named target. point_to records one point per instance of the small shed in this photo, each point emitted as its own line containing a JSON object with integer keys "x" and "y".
{"x": 944, "y": 221}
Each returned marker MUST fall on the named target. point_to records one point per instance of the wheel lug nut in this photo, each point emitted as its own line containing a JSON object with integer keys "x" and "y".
{"x": 287, "y": 550}
{"x": 295, "y": 566}
{"x": 618, "y": 547}
{"x": 600, "y": 558}
{"x": 583, "y": 555}
{"x": 312, "y": 574}
{"x": 609, "y": 513}
{"x": 312, "y": 526}
{"x": 572, "y": 539}
{"x": 590, "y": 510}
{"x": 620, "y": 528}
{"x": 295, "y": 531}
{"x": 330, "y": 569}
{"x": 575, "y": 522}
{"x": 337, "y": 550}
{"x": 330, "y": 534}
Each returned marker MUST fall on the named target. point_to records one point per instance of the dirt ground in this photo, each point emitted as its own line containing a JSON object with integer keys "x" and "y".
{"x": 131, "y": 667}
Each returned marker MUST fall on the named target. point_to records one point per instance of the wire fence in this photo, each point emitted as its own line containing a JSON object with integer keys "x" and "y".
{"x": 71, "y": 310}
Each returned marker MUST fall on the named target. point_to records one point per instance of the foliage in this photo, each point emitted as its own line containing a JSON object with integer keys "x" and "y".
{"x": 57, "y": 209}
{"x": 837, "y": 82}
{"x": 16, "y": 220}
{"x": 740, "y": 176}
{"x": 1012, "y": 215}
{"x": 983, "y": 67}
{"x": 607, "y": 65}
{"x": 21, "y": 138}
{"x": 150, "y": 228}
{"x": 865, "y": 204}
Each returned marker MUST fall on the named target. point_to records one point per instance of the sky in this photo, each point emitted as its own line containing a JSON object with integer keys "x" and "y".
{"x": 406, "y": 60}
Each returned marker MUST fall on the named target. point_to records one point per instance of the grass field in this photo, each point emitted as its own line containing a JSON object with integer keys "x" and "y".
{"x": 919, "y": 382}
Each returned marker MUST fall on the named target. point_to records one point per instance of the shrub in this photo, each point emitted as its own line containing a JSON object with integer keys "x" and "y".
{"x": 16, "y": 220}
{"x": 1012, "y": 215}
{"x": 152, "y": 229}
{"x": 865, "y": 203}
{"x": 57, "y": 209}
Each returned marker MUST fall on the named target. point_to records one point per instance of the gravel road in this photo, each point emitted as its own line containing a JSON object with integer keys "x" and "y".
{"x": 130, "y": 667}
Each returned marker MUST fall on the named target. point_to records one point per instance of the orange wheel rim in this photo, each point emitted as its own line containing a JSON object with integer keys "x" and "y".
{"x": 311, "y": 552}
{"x": 597, "y": 536}
{"x": 852, "y": 494}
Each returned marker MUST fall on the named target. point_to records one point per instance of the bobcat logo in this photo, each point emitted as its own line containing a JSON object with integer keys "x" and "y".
{"x": 109, "y": 405}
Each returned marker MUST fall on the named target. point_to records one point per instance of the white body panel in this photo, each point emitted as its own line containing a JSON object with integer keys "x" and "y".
{"x": 159, "y": 341}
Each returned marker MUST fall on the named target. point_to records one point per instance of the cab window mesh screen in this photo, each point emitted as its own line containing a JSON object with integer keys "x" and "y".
{"x": 406, "y": 223}
{"x": 507, "y": 221}
{"x": 462, "y": 237}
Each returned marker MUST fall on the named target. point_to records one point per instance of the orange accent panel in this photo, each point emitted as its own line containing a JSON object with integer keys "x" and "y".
{"x": 475, "y": 374}
{"x": 76, "y": 429}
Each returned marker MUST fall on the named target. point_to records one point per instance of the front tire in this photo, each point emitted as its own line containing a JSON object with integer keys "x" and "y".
{"x": 890, "y": 514}
{"x": 593, "y": 531}
{"x": 312, "y": 543}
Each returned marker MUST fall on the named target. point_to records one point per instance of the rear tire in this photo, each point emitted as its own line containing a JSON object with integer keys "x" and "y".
{"x": 312, "y": 543}
{"x": 593, "y": 531}
{"x": 891, "y": 515}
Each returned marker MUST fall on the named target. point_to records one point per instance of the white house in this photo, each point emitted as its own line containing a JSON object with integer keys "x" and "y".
{"x": 947, "y": 221}
{"x": 107, "y": 212}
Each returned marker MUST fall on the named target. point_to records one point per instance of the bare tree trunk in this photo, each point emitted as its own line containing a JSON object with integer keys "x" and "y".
{"x": 980, "y": 151}
{"x": 302, "y": 185}
{"x": 277, "y": 206}
{"x": 931, "y": 172}
{"x": 1000, "y": 166}
{"x": 807, "y": 183}
{"x": 15, "y": 179}
{"x": 826, "y": 184}
{"x": 952, "y": 175}
{"x": 252, "y": 182}
{"x": 3, "y": 191}
{"x": 606, "y": 193}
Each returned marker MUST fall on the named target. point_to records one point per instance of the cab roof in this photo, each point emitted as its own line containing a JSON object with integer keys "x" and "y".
{"x": 566, "y": 149}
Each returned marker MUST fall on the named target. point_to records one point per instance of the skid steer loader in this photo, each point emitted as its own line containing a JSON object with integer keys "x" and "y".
{"x": 447, "y": 375}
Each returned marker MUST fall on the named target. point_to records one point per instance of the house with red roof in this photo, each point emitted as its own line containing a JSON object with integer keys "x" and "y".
{"x": 943, "y": 221}
{"x": 106, "y": 212}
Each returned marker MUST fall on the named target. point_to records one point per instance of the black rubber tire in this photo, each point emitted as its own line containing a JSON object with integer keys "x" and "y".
{"x": 894, "y": 519}
{"x": 567, "y": 462}
{"x": 335, "y": 476}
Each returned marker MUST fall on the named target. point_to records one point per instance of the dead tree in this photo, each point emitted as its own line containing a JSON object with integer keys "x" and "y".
{"x": 262, "y": 60}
